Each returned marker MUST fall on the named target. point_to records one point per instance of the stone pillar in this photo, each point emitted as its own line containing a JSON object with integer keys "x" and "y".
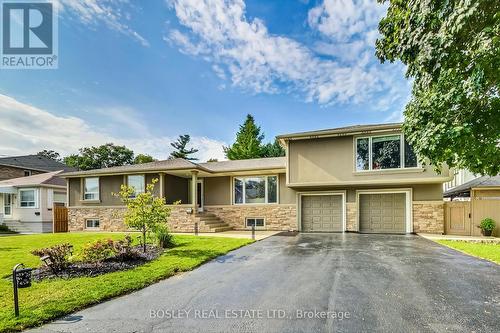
{"x": 194, "y": 190}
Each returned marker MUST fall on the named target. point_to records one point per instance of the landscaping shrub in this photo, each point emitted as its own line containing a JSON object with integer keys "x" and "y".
{"x": 124, "y": 249}
{"x": 98, "y": 250}
{"x": 487, "y": 224}
{"x": 4, "y": 228}
{"x": 59, "y": 255}
{"x": 163, "y": 237}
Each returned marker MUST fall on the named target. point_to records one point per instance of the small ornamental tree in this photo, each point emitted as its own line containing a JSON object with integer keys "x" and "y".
{"x": 145, "y": 211}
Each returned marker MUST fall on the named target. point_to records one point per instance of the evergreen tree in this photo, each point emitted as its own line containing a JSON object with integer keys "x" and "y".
{"x": 180, "y": 148}
{"x": 248, "y": 142}
{"x": 273, "y": 149}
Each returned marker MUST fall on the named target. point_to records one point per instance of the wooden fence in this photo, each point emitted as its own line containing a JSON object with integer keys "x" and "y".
{"x": 60, "y": 219}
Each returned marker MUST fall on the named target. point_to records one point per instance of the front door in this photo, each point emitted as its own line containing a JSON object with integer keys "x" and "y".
{"x": 7, "y": 205}
{"x": 199, "y": 191}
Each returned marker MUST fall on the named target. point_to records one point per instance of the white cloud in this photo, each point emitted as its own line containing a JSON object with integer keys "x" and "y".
{"x": 27, "y": 129}
{"x": 258, "y": 61}
{"x": 111, "y": 13}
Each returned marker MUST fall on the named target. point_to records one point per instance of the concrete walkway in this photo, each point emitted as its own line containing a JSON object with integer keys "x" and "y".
{"x": 259, "y": 235}
{"x": 474, "y": 239}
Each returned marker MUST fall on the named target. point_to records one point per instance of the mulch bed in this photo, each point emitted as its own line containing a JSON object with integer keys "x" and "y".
{"x": 80, "y": 269}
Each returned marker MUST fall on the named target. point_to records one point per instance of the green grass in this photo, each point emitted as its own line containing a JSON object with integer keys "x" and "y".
{"x": 53, "y": 298}
{"x": 488, "y": 251}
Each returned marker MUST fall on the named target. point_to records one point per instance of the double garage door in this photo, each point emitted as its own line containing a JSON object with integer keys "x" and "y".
{"x": 378, "y": 213}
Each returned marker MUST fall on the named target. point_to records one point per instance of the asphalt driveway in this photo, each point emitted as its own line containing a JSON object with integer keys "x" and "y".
{"x": 313, "y": 283}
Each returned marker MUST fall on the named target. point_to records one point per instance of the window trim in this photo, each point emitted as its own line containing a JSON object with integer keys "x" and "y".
{"x": 134, "y": 175}
{"x": 255, "y": 218}
{"x": 233, "y": 182}
{"x": 35, "y": 198}
{"x": 370, "y": 154}
{"x": 93, "y": 219}
{"x": 98, "y": 189}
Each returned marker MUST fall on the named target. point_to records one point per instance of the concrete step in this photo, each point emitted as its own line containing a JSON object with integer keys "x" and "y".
{"x": 16, "y": 226}
{"x": 217, "y": 225}
{"x": 221, "y": 229}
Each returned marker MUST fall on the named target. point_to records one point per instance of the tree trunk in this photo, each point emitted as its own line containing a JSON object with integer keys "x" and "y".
{"x": 144, "y": 239}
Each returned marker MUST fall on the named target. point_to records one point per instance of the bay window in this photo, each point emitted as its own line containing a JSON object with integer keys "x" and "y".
{"x": 384, "y": 152}
{"x": 255, "y": 190}
{"x": 91, "y": 188}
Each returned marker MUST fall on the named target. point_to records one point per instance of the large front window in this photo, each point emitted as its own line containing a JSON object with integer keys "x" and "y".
{"x": 384, "y": 152}
{"x": 91, "y": 186}
{"x": 27, "y": 198}
{"x": 255, "y": 190}
{"x": 137, "y": 182}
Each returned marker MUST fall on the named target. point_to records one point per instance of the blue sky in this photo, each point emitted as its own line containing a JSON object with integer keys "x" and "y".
{"x": 140, "y": 73}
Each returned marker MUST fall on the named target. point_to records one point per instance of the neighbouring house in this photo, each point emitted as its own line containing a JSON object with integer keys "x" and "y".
{"x": 460, "y": 176}
{"x": 28, "y": 165}
{"x": 470, "y": 203}
{"x": 27, "y": 202}
{"x": 358, "y": 178}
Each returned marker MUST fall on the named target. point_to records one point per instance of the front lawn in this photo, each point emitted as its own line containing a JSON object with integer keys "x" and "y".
{"x": 50, "y": 299}
{"x": 488, "y": 251}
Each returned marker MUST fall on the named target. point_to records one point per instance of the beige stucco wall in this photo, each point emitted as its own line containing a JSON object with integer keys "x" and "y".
{"x": 75, "y": 191}
{"x": 287, "y": 194}
{"x": 217, "y": 190}
{"x": 331, "y": 161}
{"x": 176, "y": 188}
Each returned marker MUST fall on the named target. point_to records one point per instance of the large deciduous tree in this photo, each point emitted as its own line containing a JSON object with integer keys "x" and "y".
{"x": 143, "y": 158}
{"x": 180, "y": 148}
{"x": 452, "y": 51}
{"x": 54, "y": 155}
{"x": 104, "y": 156}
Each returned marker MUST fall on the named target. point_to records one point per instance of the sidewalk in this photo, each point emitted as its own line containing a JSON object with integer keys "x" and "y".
{"x": 474, "y": 239}
{"x": 259, "y": 234}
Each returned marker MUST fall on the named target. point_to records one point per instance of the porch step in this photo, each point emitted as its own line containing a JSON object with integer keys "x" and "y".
{"x": 213, "y": 222}
{"x": 17, "y": 227}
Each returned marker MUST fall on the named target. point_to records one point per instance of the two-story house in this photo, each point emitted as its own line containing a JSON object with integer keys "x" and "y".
{"x": 358, "y": 178}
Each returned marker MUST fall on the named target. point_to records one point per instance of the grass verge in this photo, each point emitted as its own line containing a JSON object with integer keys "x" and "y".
{"x": 47, "y": 300}
{"x": 488, "y": 251}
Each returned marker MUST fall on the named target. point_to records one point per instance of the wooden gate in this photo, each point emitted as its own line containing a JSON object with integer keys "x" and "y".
{"x": 457, "y": 218}
{"x": 60, "y": 219}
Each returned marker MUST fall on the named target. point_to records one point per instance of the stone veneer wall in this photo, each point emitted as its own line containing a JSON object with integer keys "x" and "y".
{"x": 111, "y": 219}
{"x": 351, "y": 223}
{"x": 278, "y": 217}
{"x": 428, "y": 217}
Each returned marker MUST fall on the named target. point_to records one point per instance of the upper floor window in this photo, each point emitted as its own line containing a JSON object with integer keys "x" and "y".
{"x": 137, "y": 182}
{"x": 27, "y": 173}
{"x": 255, "y": 190}
{"x": 384, "y": 152}
{"x": 27, "y": 198}
{"x": 91, "y": 188}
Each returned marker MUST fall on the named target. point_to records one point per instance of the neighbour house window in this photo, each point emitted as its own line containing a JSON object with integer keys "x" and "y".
{"x": 137, "y": 182}
{"x": 27, "y": 198}
{"x": 384, "y": 152}
{"x": 256, "y": 190}
{"x": 92, "y": 223}
{"x": 91, "y": 189}
{"x": 27, "y": 173}
{"x": 257, "y": 222}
